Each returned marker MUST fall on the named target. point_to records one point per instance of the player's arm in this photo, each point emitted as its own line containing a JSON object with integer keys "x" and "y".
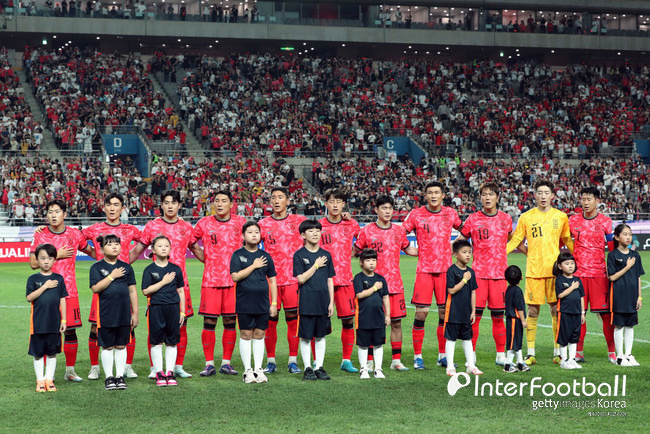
{"x": 582, "y": 309}
{"x": 51, "y": 283}
{"x": 566, "y": 235}
{"x": 273, "y": 289}
{"x": 330, "y": 290}
{"x": 472, "y": 315}
{"x": 638, "y": 300}
{"x": 33, "y": 262}
{"x": 136, "y": 252}
{"x": 517, "y": 237}
{"x": 198, "y": 252}
{"x": 181, "y": 296}
{"x": 133, "y": 295}
{"x": 62, "y": 309}
{"x": 521, "y": 247}
{"x": 90, "y": 251}
{"x": 386, "y": 300}
{"x": 411, "y": 251}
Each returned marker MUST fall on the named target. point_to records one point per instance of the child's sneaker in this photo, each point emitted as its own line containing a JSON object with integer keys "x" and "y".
{"x": 474, "y": 370}
{"x": 171, "y": 379}
{"x": 397, "y": 365}
{"x": 152, "y": 374}
{"x": 321, "y": 374}
{"x": 370, "y": 365}
{"x": 161, "y": 379}
{"x": 522, "y": 367}
{"x": 566, "y": 364}
{"x": 622, "y": 361}
{"x": 129, "y": 372}
{"x": 94, "y": 373}
{"x": 364, "y": 374}
{"x": 575, "y": 364}
{"x": 379, "y": 373}
{"x": 49, "y": 385}
{"x": 632, "y": 361}
{"x": 120, "y": 383}
{"x": 109, "y": 383}
{"x": 249, "y": 376}
{"x": 40, "y": 386}
{"x": 260, "y": 377}
{"x": 309, "y": 374}
{"x": 509, "y": 368}
{"x": 451, "y": 371}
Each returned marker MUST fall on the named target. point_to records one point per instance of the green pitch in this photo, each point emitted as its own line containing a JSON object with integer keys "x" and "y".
{"x": 407, "y": 402}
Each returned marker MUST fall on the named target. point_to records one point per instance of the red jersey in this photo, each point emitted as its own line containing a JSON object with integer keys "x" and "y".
{"x": 337, "y": 239}
{"x": 433, "y": 234}
{"x": 220, "y": 239}
{"x": 180, "y": 234}
{"x": 129, "y": 236}
{"x": 388, "y": 242}
{"x": 282, "y": 239}
{"x": 70, "y": 237}
{"x": 589, "y": 240}
{"x": 489, "y": 234}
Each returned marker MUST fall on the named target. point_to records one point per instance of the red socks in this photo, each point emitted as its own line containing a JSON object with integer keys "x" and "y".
{"x": 608, "y": 331}
{"x": 208, "y": 340}
{"x": 271, "y": 337}
{"x": 475, "y": 327}
{"x": 70, "y": 346}
{"x": 130, "y": 349}
{"x": 292, "y": 336}
{"x": 397, "y": 350}
{"x": 441, "y": 336}
{"x": 228, "y": 340}
{"x": 93, "y": 349}
{"x": 418, "y": 336}
{"x": 182, "y": 346}
{"x": 581, "y": 342}
{"x": 347, "y": 339}
{"x": 499, "y": 331}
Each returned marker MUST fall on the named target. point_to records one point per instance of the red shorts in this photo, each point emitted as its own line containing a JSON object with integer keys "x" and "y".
{"x": 72, "y": 313}
{"x": 397, "y": 306}
{"x": 344, "y": 299}
{"x": 427, "y": 284}
{"x": 92, "y": 318}
{"x": 217, "y": 302}
{"x": 492, "y": 292}
{"x": 596, "y": 293}
{"x": 189, "y": 310}
{"x": 288, "y": 297}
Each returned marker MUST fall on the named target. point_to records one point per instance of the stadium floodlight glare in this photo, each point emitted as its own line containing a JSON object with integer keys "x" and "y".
{"x": 44, "y": 41}
{"x": 501, "y": 54}
{"x": 286, "y": 48}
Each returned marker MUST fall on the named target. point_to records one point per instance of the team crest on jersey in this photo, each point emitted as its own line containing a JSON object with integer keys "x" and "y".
{"x": 530, "y": 296}
{"x": 556, "y": 224}
{"x": 39, "y": 283}
{"x": 306, "y": 261}
{"x": 365, "y": 282}
{"x": 566, "y": 285}
{"x": 155, "y": 275}
{"x": 104, "y": 272}
{"x": 243, "y": 259}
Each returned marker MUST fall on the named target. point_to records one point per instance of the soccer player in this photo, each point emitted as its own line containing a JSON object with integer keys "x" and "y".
{"x": 388, "y": 241}
{"x": 221, "y": 235}
{"x": 543, "y": 227}
{"x": 432, "y": 225}
{"x": 128, "y": 235}
{"x": 67, "y": 241}
{"x": 591, "y": 231}
{"x": 181, "y": 235}
{"x": 281, "y": 240}
{"x": 337, "y": 237}
{"x": 490, "y": 230}
{"x": 117, "y": 308}
{"x": 46, "y": 292}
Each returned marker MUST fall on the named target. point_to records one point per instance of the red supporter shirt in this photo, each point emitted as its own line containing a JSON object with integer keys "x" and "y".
{"x": 433, "y": 234}
{"x": 281, "y": 240}
{"x": 337, "y": 239}
{"x": 388, "y": 243}
{"x": 489, "y": 234}
{"x": 180, "y": 234}
{"x": 129, "y": 236}
{"x": 589, "y": 243}
{"x": 70, "y": 237}
{"x": 220, "y": 240}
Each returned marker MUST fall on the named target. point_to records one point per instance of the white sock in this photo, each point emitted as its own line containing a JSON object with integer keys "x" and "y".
{"x": 531, "y": 351}
{"x": 510, "y": 357}
{"x": 245, "y": 353}
{"x": 417, "y": 356}
{"x": 572, "y": 351}
{"x": 320, "y": 352}
{"x": 629, "y": 339}
{"x": 39, "y": 365}
{"x": 50, "y": 367}
{"x": 520, "y": 357}
{"x": 157, "y": 358}
{"x": 363, "y": 356}
{"x": 271, "y": 359}
{"x": 500, "y": 356}
{"x": 107, "y": 362}
{"x": 563, "y": 352}
{"x": 379, "y": 356}
{"x": 293, "y": 359}
{"x": 450, "y": 346}
{"x": 305, "y": 352}
{"x": 469, "y": 354}
{"x": 442, "y": 355}
{"x": 618, "y": 341}
{"x": 209, "y": 362}
{"x": 171, "y": 352}
{"x": 120, "y": 362}
{"x": 225, "y": 362}
{"x": 258, "y": 353}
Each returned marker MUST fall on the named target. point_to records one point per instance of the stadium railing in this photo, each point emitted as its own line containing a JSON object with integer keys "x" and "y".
{"x": 611, "y": 151}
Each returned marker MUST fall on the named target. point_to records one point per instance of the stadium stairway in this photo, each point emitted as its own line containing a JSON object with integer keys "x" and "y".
{"x": 47, "y": 145}
{"x": 192, "y": 144}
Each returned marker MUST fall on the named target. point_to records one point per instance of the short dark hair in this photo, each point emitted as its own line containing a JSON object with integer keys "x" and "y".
{"x": 282, "y": 190}
{"x": 226, "y": 193}
{"x": 58, "y": 202}
{"x": 544, "y": 183}
{"x": 47, "y": 248}
{"x": 368, "y": 254}
{"x": 309, "y": 224}
{"x": 106, "y": 239}
{"x": 491, "y": 185}
{"x": 383, "y": 199}
{"x": 248, "y": 224}
{"x": 564, "y": 256}
{"x": 513, "y": 275}
{"x": 432, "y": 184}
{"x": 113, "y": 195}
{"x": 175, "y": 194}
{"x": 592, "y": 191}
{"x": 336, "y": 193}
{"x": 459, "y": 244}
